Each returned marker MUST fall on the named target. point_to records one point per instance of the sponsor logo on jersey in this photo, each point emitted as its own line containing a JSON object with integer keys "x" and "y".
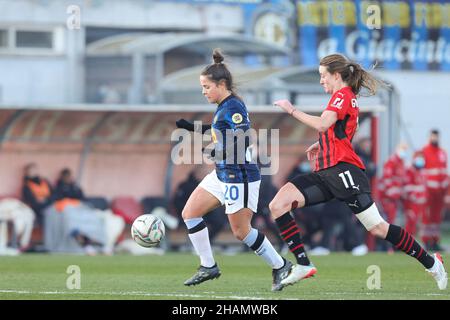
{"x": 237, "y": 118}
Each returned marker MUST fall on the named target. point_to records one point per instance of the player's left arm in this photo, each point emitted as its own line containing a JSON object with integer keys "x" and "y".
{"x": 321, "y": 124}
{"x": 193, "y": 127}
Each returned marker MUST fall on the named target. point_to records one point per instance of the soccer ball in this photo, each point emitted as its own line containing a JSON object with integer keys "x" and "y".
{"x": 148, "y": 230}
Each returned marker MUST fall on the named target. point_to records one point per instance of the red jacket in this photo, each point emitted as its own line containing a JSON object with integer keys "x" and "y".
{"x": 435, "y": 170}
{"x": 393, "y": 179}
{"x": 415, "y": 191}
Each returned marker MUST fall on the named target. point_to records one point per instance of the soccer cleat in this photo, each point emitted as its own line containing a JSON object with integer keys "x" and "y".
{"x": 203, "y": 274}
{"x": 438, "y": 272}
{"x": 279, "y": 274}
{"x": 298, "y": 273}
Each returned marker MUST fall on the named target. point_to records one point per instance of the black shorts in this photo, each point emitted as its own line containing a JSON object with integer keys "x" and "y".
{"x": 341, "y": 181}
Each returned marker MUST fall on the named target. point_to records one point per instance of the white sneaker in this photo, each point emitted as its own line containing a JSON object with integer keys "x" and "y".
{"x": 319, "y": 251}
{"x": 299, "y": 272}
{"x": 438, "y": 272}
{"x": 360, "y": 250}
{"x": 170, "y": 221}
{"x": 90, "y": 250}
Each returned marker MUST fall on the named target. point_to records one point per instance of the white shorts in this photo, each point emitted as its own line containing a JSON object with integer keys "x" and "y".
{"x": 235, "y": 196}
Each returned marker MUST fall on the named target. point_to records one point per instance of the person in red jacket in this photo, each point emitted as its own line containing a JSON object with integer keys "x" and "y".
{"x": 437, "y": 183}
{"x": 392, "y": 182}
{"x": 415, "y": 195}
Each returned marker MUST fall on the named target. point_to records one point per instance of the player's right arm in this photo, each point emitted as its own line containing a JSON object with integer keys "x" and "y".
{"x": 321, "y": 124}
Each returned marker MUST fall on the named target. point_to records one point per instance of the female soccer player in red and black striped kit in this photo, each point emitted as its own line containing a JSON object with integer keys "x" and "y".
{"x": 339, "y": 172}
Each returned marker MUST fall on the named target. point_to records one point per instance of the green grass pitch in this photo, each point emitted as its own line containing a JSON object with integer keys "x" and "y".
{"x": 244, "y": 277}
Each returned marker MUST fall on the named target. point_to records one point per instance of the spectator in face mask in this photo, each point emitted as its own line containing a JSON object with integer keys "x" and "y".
{"x": 415, "y": 196}
{"x": 437, "y": 182}
{"x": 303, "y": 166}
{"x": 392, "y": 182}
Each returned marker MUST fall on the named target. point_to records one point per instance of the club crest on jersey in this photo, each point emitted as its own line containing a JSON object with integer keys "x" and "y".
{"x": 237, "y": 118}
{"x": 337, "y": 103}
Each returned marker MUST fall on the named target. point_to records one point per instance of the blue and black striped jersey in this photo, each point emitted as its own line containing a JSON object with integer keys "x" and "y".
{"x": 232, "y": 117}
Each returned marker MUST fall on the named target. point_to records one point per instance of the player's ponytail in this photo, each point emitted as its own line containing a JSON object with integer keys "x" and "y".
{"x": 352, "y": 73}
{"x": 218, "y": 71}
{"x": 217, "y": 56}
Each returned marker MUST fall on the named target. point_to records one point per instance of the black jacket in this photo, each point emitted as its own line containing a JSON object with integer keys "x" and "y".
{"x": 68, "y": 190}
{"x": 29, "y": 197}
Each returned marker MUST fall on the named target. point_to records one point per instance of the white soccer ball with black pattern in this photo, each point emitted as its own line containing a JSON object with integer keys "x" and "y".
{"x": 148, "y": 230}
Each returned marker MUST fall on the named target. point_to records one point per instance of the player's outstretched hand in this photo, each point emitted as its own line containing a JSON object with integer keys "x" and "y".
{"x": 285, "y": 105}
{"x": 184, "y": 124}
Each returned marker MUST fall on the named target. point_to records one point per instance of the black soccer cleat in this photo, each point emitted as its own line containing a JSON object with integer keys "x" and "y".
{"x": 279, "y": 274}
{"x": 203, "y": 274}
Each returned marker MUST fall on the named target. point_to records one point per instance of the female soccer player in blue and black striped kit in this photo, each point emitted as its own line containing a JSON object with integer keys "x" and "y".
{"x": 235, "y": 181}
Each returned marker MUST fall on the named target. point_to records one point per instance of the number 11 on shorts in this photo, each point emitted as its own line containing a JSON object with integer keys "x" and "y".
{"x": 344, "y": 179}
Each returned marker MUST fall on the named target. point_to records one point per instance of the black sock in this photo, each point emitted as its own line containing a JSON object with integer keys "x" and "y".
{"x": 290, "y": 233}
{"x": 404, "y": 241}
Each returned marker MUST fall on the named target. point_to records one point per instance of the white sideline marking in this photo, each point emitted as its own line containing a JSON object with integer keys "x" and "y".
{"x": 137, "y": 293}
{"x": 206, "y": 295}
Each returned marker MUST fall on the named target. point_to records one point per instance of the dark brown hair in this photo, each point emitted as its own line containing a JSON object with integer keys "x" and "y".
{"x": 218, "y": 71}
{"x": 27, "y": 167}
{"x": 352, "y": 73}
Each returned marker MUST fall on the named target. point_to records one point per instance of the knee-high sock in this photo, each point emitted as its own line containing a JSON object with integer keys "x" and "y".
{"x": 263, "y": 248}
{"x": 290, "y": 233}
{"x": 404, "y": 241}
{"x": 198, "y": 233}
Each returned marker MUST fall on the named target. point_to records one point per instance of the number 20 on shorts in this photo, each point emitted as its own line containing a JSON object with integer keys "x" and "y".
{"x": 231, "y": 192}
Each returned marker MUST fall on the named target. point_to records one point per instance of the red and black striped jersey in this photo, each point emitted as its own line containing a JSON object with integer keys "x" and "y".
{"x": 336, "y": 142}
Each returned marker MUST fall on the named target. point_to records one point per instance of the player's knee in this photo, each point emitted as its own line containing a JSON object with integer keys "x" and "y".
{"x": 276, "y": 208}
{"x": 279, "y": 207}
{"x": 367, "y": 213}
{"x": 273, "y": 205}
{"x": 359, "y": 203}
{"x": 186, "y": 214}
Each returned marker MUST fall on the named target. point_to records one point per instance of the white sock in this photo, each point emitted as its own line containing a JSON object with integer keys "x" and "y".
{"x": 202, "y": 246}
{"x": 265, "y": 250}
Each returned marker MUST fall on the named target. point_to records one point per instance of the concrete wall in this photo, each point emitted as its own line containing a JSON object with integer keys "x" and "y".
{"x": 33, "y": 80}
{"x": 217, "y": 18}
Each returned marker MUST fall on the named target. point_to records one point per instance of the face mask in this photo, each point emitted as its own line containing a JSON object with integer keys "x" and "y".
{"x": 419, "y": 162}
{"x": 401, "y": 154}
{"x": 305, "y": 167}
